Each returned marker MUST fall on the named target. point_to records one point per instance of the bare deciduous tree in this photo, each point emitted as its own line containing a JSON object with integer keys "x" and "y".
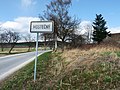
{"x": 88, "y": 33}
{"x": 47, "y": 37}
{"x": 2, "y": 40}
{"x": 11, "y": 38}
{"x": 28, "y": 38}
{"x": 64, "y": 24}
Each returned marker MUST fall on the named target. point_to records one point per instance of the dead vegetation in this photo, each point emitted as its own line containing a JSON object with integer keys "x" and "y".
{"x": 97, "y": 68}
{"x": 78, "y": 69}
{"x": 84, "y": 69}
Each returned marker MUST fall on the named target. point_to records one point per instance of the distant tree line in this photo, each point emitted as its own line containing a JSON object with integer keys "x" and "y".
{"x": 10, "y": 37}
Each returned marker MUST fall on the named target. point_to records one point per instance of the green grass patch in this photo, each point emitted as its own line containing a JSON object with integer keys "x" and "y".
{"x": 23, "y": 79}
{"x": 97, "y": 77}
{"x": 118, "y": 53}
{"x": 106, "y": 53}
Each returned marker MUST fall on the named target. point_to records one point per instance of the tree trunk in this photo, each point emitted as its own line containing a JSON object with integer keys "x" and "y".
{"x": 45, "y": 42}
{"x": 55, "y": 42}
{"x": 98, "y": 42}
{"x": 2, "y": 47}
{"x": 28, "y": 48}
{"x": 63, "y": 43}
{"x": 12, "y": 46}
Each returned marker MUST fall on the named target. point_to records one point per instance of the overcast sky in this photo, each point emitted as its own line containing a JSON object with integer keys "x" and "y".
{"x": 17, "y": 14}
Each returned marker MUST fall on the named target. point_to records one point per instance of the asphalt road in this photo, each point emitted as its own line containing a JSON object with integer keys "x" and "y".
{"x": 10, "y": 64}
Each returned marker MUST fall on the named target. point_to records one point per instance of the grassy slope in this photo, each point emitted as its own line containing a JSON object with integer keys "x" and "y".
{"x": 94, "y": 69}
{"x": 98, "y": 70}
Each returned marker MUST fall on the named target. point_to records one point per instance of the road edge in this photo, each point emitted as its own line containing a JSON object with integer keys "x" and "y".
{"x": 10, "y": 72}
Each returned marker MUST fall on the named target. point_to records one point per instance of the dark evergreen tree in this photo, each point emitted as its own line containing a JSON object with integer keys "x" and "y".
{"x": 100, "y": 29}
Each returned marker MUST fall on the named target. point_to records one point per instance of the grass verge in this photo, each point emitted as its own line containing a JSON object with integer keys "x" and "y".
{"x": 23, "y": 79}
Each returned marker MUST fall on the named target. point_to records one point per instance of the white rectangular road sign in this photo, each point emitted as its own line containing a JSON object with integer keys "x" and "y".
{"x": 41, "y": 26}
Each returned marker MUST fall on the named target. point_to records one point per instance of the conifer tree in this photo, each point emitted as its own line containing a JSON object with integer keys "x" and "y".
{"x": 100, "y": 29}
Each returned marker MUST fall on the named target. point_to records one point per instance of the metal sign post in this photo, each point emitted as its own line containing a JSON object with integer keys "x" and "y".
{"x": 40, "y": 27}
{"x": 36, "y": 57}
{"x": 55, "y": 41}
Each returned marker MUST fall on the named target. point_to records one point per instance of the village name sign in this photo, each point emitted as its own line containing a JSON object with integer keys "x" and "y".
{"x": 40, "y": 27}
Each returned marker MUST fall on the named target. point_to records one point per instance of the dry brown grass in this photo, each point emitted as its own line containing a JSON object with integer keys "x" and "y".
{"x": 74, "y": 53}
{"x": 89, "y": 60}
{"x": 71, "y": 60}
{"x": 77, "y": 57}
{"x": 15, "y": 51}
